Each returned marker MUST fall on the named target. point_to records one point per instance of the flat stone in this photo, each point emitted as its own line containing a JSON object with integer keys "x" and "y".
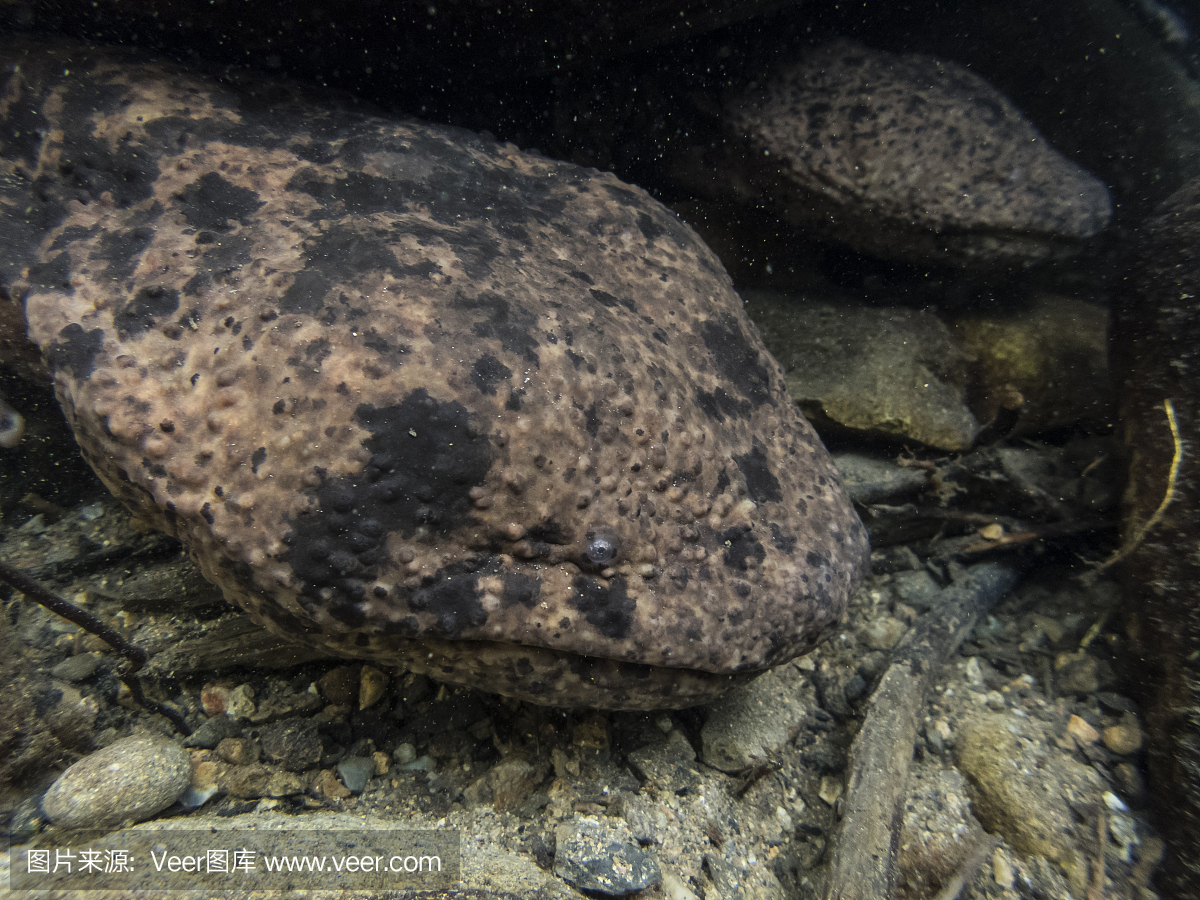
{"x": 212, "y": 732}
{"x": 1123, "y": 738}
{"x": 883, "y": 633}
{"x": 669, "y": 764}
{"x": 917, "y": 588}
{"x": 77, "y": 668}
{"x": 891, "y": 373}
{"x": 293, "y": 744}
{"x": 1046, "y": 358}
{"x": 506, "y": 784}
{"x": 870, "y": 479}
{"x": 239, "y": 751}
{"x": 130, "y": 780}
{"x": 595, "y": 855}
{"x": 1026, "y": 794}
{"x": 745, "y": 727}
{"x": 355, "y": 772}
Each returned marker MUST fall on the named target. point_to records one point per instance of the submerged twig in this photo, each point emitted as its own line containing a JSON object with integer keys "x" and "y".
{"x": 1173, "y": 473}
{"x": 135, "y": 656}
{"x": 864, "y": 854}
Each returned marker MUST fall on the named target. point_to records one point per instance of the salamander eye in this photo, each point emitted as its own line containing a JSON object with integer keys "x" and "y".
{"x": 601, "y": 548}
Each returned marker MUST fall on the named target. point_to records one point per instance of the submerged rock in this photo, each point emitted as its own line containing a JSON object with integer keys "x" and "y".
{"x": 1046, "y": 360}
{"x": 414, "y": 396}
{"x": 913, "y": 157}
{"x": 893, "y": 373}
{"x": 131, "y": 780}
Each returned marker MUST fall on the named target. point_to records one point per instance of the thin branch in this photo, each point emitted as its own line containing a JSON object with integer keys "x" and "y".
{"x": 1132, "y": 544}
{"x": 134, "y": 655}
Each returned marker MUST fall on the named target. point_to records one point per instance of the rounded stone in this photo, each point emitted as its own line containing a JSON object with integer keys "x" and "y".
{"x": 130, "y": 780}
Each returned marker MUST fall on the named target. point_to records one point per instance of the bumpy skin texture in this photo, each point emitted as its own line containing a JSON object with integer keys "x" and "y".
{"x": 404, "y": 391}
{"x": 914, "y": 157}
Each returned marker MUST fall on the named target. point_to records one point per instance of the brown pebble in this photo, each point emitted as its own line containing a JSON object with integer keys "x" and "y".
{"x": 1083, "y": 732}
{"x": 327, "y": 784}
{"x": 1125, "y": 737}
{"x": 340, "y": 685}
{"x": 238, "y": 751}
{"x": 214, "y": 699}
{"x": 371, "y": 686}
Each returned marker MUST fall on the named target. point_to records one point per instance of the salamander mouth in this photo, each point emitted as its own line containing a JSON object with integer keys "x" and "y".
{"x": 547, "y": 677}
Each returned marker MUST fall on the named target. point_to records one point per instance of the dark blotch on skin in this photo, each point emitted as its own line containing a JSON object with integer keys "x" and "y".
{"x": 454, "y": 604}
{"x": 512, "y": 326}
{"x": 488, "y": 372}
{"x": 741, "y": 546}
{"x": 737, "y": 359}
{"x": 122, "y": 250}
{"x": 141, "y": 313}
{"x": 425, "y": 458}
{"x": 760, "y": 480}
{"x": 54, "y": 275}
{"x": 522, "y": 589}
{"x": 75, "y": 350}
{"x": 306, "y": 294}
{"x": 607, "y": 608}
{"x": 719, "y": 404}
{"x": 211, "y": 201}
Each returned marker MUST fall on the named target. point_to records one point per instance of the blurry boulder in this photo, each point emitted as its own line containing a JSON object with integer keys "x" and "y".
{"x": 1046, "y": 360}
{"x": 890, "y": 373}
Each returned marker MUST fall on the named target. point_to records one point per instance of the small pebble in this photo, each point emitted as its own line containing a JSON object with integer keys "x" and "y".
{"x": 91, "y": 512}
{"x": 356, "y": 771}
{"x": 1002, "y": 870}
{"x": 1052, "y": 628}
{"x": 241, "y": 702}
{"x": 341, "y": 685}
{"x": 883, "y": 633}
{"x": 830, "y": 790}
{"x": 294, "y": 744}
{"x": 995, "y": 700}
{"x": 974, "y": 672}
{"x": 77, "y": 668}
{"x": 372, "y": 684}
{"x": 601, "y": 855}
{"x": 130, "y": 780}
{"x": 1123, "y": 738}
{"x": 382, "y": 762}
{"x": 420, "y": 764}
{"x": 214, "y": 699}
{"x": 674, "y": 889}
{"x": 195, "y": 797}
{"x": 238, "y": 751}
{"x": 327, "y": 783}
{"x": 1080, "y": 730}
{"x": 405, "y": 753}
{"x": 993, "y": 532}
{"x": 212, "y": 732}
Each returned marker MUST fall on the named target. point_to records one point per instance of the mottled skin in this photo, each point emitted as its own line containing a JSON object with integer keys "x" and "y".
{"x": 403, "y": 390}
{"x": 914, "y": 157}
